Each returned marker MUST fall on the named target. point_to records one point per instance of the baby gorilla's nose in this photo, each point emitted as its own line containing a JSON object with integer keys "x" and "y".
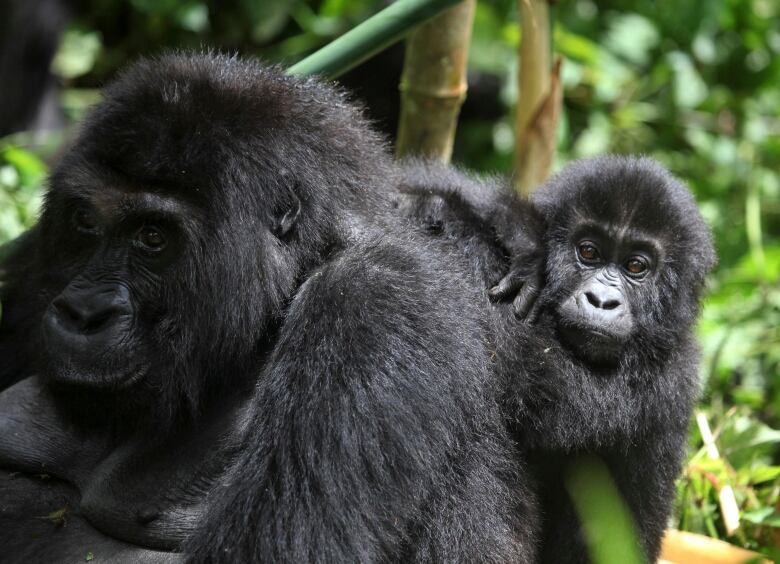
{"x": 604, "y": 297}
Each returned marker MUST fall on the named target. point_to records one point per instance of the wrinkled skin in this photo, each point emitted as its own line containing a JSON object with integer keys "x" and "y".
{"x": 220, "y": 345}
{"x": 608, "y": 364}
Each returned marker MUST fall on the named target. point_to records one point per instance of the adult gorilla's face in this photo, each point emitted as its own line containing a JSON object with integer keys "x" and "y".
{"x": 627, "y": 252}
{"x": 177, "y": 227}
{"x": 99, "y": 329}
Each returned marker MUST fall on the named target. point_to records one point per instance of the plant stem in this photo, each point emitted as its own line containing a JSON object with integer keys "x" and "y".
{"x": 373, "y": 35}
{"x": 433, "y": 84}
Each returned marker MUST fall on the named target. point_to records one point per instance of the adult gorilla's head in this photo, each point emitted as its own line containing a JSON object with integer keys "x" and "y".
{"x": 627, "y": 255}
{"x": 199, "y": 192}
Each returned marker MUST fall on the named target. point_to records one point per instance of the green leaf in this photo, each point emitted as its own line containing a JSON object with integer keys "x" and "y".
{"x": 77, "y": 53}
{"x": 194, "y": 17}
{"x": 609, "y": 527}
{"x": 30, "y": 167}
{"x": 765, "y": 516}
{"x": 633, "y": 37}
{"x": 689, "y": 88}
{"x": 764, "y": 474}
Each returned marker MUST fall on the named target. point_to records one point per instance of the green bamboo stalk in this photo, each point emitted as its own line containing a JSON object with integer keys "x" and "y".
{"x": 373, "y": 35}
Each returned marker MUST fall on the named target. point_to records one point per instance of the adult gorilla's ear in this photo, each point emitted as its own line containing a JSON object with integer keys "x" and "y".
{"x": 288, "y": 208}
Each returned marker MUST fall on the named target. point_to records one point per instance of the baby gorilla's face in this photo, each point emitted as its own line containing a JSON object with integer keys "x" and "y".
{"x": 608, "y": 267}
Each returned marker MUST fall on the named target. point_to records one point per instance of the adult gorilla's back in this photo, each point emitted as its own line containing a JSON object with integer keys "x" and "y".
{"x": 221, "y": 341}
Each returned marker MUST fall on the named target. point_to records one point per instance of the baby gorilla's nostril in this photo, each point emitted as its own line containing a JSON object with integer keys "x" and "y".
{"x": 593, "y": 299}
{"x": 610, "y": 304}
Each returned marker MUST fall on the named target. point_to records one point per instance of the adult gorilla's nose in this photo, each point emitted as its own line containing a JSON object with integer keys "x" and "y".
{"x": 89, "y": 311}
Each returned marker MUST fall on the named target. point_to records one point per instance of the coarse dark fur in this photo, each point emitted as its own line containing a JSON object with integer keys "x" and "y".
{"x": 292, "y": 376}
{"x": 570, "y": 391}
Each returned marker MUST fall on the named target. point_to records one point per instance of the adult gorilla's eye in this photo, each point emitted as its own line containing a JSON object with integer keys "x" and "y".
{"x": 588, "y": 251}
{"x": 85, "y": 220}
{"x": 151, "y": 238}
{"x": 636, "y": 265}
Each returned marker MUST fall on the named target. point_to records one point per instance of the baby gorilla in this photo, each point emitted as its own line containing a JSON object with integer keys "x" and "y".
{"x": 606, "y": 362}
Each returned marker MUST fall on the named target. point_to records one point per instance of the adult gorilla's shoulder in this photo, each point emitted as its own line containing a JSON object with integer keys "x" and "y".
{"x": 242, "y": 353}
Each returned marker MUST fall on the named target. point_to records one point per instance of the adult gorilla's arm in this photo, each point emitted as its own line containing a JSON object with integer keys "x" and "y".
{"x": 372, "y": 414}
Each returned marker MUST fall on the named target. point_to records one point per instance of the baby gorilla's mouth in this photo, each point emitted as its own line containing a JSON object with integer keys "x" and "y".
{"x": 591, "y": 344}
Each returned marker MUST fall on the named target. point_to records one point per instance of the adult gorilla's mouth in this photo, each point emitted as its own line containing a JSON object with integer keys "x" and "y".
{"x": 72, "y": 372}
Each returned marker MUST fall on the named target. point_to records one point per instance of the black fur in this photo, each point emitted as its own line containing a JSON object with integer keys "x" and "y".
{"x": 561, "y": 397}
{"x": 295, "y": 377}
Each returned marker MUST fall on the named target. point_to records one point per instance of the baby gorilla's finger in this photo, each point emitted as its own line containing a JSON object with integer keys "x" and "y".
{"x": 533, "y": 314}
{"x": 506, "y": 288}
{"x": 525, "y": 301}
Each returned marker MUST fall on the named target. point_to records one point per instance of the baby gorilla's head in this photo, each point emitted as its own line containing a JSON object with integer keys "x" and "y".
{"x": 627, "y": 253}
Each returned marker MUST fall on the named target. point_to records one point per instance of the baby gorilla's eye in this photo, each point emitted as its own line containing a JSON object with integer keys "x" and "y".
{"x": 588, "y": 251}
{"x": 151, "y": 238}
{"x": 636, "y": 265}
{"x": 85, "y": 220}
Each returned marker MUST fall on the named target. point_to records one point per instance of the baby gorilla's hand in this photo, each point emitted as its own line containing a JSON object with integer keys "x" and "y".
{"x": 519, "y": 228}
{"x": 521, "y": 285}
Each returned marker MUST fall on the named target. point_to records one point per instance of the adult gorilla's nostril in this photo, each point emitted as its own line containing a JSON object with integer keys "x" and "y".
{"x": 610, "y": 304}
{"x": 99, "y": 320}
{"x": 66, "y": 312}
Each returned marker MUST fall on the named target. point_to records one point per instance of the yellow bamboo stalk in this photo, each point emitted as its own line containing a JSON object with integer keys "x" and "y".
{"x": 539, "y": 98}
{"x": 433, "y": 84}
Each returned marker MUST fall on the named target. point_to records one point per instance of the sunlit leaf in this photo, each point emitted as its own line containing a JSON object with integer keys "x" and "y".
{"x": 77, "y": 53}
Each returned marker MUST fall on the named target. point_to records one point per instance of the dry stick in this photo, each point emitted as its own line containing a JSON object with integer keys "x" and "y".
{"x": 539, "y": 98}
{"x": 729, "y": 509}
{"x": 433, "y": 84}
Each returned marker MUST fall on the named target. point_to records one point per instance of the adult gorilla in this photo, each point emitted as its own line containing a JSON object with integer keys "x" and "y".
{"x": 617, "y": 252}
{"x": 219, "y": 341}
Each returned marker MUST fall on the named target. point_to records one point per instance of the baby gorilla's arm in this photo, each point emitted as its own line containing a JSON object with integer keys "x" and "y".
{"x": 499, "y": 233}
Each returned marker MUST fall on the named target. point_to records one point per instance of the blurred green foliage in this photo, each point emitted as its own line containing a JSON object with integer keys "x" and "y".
{"x": 692, "y": 83}
{"x": 608, "y": 527}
